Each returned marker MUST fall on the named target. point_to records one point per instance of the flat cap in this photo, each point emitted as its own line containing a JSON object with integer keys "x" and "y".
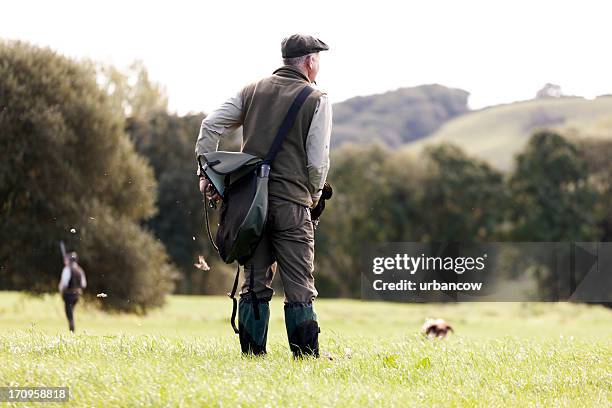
{"x": 298, "y": 45}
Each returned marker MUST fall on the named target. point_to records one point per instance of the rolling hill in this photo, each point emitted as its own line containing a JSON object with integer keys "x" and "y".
{"x": 397, "y": 117}
{"x": 497, "y": 133}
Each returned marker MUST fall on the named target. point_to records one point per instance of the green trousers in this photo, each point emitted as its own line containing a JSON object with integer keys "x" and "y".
{"x": 287, "y": 246}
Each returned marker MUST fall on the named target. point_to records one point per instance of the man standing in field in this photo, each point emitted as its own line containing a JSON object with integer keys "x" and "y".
{"x": 71, "y": 285}
{"x": 296, "y": 180}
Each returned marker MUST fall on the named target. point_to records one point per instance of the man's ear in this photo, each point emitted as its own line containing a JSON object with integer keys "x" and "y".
{"x": 310, "y": 62}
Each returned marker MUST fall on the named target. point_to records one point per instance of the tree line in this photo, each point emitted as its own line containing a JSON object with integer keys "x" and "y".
{"x": 559, "y": 190}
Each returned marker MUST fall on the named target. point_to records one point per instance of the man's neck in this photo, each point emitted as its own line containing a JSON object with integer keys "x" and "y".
{"x": 296, "y": 71}
{"x": 305, "y": 72}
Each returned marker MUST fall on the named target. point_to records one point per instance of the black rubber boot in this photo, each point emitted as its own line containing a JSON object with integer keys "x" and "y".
{"x": 302, "y": 329}
{"x": 253, "y": 317}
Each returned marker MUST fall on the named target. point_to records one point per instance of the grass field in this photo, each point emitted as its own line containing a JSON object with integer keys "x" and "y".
{"x": 186, "y": 355}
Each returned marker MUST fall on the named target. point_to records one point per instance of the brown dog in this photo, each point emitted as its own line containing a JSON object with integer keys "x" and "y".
{"x": 436, "y": 328}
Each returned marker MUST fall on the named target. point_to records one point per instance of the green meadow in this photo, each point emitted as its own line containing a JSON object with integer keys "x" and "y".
{"x": 185, "y": 354}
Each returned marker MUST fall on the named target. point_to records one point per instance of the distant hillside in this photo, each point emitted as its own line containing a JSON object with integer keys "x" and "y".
{"x": 497, "y": 133}
{"x": 397, "y": 117}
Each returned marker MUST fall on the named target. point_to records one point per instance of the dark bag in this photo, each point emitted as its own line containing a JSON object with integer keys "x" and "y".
{"x": 243, "y": 215}
{"x": 244, "y": 191}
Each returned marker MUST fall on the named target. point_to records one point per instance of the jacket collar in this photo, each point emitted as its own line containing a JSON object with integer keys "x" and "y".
{"x": 287, "y": 71}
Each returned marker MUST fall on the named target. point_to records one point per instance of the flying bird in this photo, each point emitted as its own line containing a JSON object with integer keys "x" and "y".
{"x": 202, "y": 265}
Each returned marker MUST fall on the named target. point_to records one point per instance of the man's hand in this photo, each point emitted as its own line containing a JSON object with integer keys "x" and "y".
{"x": 318, "y": 208}
{"x": 207, "y": 189}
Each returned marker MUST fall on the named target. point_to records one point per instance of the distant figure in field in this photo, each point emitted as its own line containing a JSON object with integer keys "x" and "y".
{"x": 71, "y": 285}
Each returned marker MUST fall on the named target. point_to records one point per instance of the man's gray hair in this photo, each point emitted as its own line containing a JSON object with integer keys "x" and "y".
{"x": 297, "y": 61}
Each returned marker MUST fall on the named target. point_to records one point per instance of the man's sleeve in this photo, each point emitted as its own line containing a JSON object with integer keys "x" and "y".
{"x": 227, "y": 116}
{"x": 317, "y": 147}
{"x": 65, "y": 279}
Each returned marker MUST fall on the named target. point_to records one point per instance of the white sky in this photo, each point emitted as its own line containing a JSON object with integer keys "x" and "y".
{"x": 204, "y": 51}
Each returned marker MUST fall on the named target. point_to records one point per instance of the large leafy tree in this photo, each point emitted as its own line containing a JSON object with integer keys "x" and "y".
{"x": 376, "y": 199}
{"x": 597, "y": 153}
{"x": 552, "y": 199}
{"x": 131, "y": 91}
{"x": 70, "y": 172}
{"x": 465, "y": 198}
